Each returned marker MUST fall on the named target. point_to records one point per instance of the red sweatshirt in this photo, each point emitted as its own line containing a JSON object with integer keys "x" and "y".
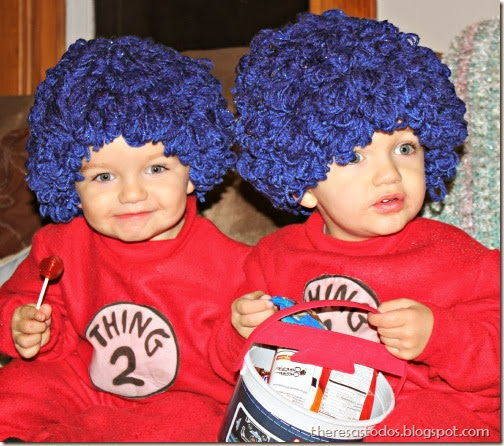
{"x": 139, "y": 316}
{"x": 433, "y": 263}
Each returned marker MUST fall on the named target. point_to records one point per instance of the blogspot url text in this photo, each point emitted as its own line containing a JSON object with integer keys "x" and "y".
{"x": 406, "y": 431}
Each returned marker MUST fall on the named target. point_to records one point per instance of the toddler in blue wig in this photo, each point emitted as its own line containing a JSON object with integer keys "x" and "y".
{"x": 123, "y": 131}
{"x": 352, "y": 121}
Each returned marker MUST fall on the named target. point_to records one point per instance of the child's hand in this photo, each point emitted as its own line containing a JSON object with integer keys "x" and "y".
{"x": 30, "y": 329}
{"x": 404, "y": 326}
{"x": 248, "y": 311}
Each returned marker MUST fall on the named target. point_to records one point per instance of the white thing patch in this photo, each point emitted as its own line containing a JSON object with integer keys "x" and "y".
{"x": 135, "y": 350}
{"x": 344, "y": 320}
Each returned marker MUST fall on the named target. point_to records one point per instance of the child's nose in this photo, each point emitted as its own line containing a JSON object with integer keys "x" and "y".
{"x": 132, "y": 191}
{"x": 386, "y": 172}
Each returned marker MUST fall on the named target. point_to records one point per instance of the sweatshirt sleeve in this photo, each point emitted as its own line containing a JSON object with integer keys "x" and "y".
{"x": 225, "y": 349}
{"x": 464, "y": 347}
{"x": 227, "y": 344}
{"x": 23, "y": 288}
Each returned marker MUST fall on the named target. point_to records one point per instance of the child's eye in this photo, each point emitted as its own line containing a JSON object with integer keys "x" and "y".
{"x": 358, "y": 158}
{"x": 404, "y": 149}
{"x": 156, "y": 169}
{"x": 103, "y": 177}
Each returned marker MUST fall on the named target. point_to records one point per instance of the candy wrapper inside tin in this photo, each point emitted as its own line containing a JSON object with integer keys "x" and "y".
{"x": 329, "y": 392}
{"x": 308, "y": 317}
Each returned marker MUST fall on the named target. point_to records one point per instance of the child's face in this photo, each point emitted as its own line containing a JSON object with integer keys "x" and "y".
{"x": 134, "y": 193}
{"x": 378, "y": 194}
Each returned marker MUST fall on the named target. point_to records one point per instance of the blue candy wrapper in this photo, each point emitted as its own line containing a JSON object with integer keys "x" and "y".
{"x": 308, "y": 318}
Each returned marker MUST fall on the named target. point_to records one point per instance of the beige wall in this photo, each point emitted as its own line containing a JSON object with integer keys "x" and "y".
{"x": 437, "y": 22}
{"x": 80, "y": 23}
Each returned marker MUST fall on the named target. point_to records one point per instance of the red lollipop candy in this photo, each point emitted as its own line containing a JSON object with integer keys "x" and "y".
{"x": 50, "y": 268}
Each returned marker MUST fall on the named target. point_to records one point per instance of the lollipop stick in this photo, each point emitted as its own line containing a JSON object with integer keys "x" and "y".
{"x": 51, "y": 268}
{"x": 42, "y": 292}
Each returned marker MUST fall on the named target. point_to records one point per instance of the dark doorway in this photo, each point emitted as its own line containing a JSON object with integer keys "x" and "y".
{"x": 194, "y": 24}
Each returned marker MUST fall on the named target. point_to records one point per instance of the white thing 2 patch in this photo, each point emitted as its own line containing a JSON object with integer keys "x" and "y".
{"x": 136, "y": 352}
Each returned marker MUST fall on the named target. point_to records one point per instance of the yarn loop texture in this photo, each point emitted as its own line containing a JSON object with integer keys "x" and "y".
{"x": 309, "y": 93}
{"x": 144, "y": 91}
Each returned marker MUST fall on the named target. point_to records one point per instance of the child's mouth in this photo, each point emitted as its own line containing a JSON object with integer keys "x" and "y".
{"x": 135, "y": 215}
{"x": 389, "y": 204}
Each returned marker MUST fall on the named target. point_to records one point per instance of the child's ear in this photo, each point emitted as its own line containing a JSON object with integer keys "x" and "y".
{"x": 79, "y": 206}
{"x": 190, "y": 187}
{"x": 308, "y": 200}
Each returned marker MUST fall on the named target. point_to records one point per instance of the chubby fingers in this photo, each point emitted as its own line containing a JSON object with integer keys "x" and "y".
{"x": 248, "y": 311}
{"x": 28, "y": 345}
{"x": 389, "y": 326}
{"x": 30, "y": 328}
{"x": 28, "y": 320}
{"x": 30, "y": 312}
{"x": 253, "y": 303}
{"x": 390, "y": 314}
{"x": 405, "y": 327}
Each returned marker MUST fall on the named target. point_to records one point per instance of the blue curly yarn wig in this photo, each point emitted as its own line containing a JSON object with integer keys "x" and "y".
{"x": 310, "y": 92}
{"x": 144, "y": 91}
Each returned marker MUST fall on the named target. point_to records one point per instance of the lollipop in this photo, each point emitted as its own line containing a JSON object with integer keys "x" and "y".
{"x": 50, "y": 268}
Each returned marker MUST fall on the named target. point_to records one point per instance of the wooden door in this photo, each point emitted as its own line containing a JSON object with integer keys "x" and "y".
{"x": 32, "y": 39}
{"x": 356, "y": 8}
